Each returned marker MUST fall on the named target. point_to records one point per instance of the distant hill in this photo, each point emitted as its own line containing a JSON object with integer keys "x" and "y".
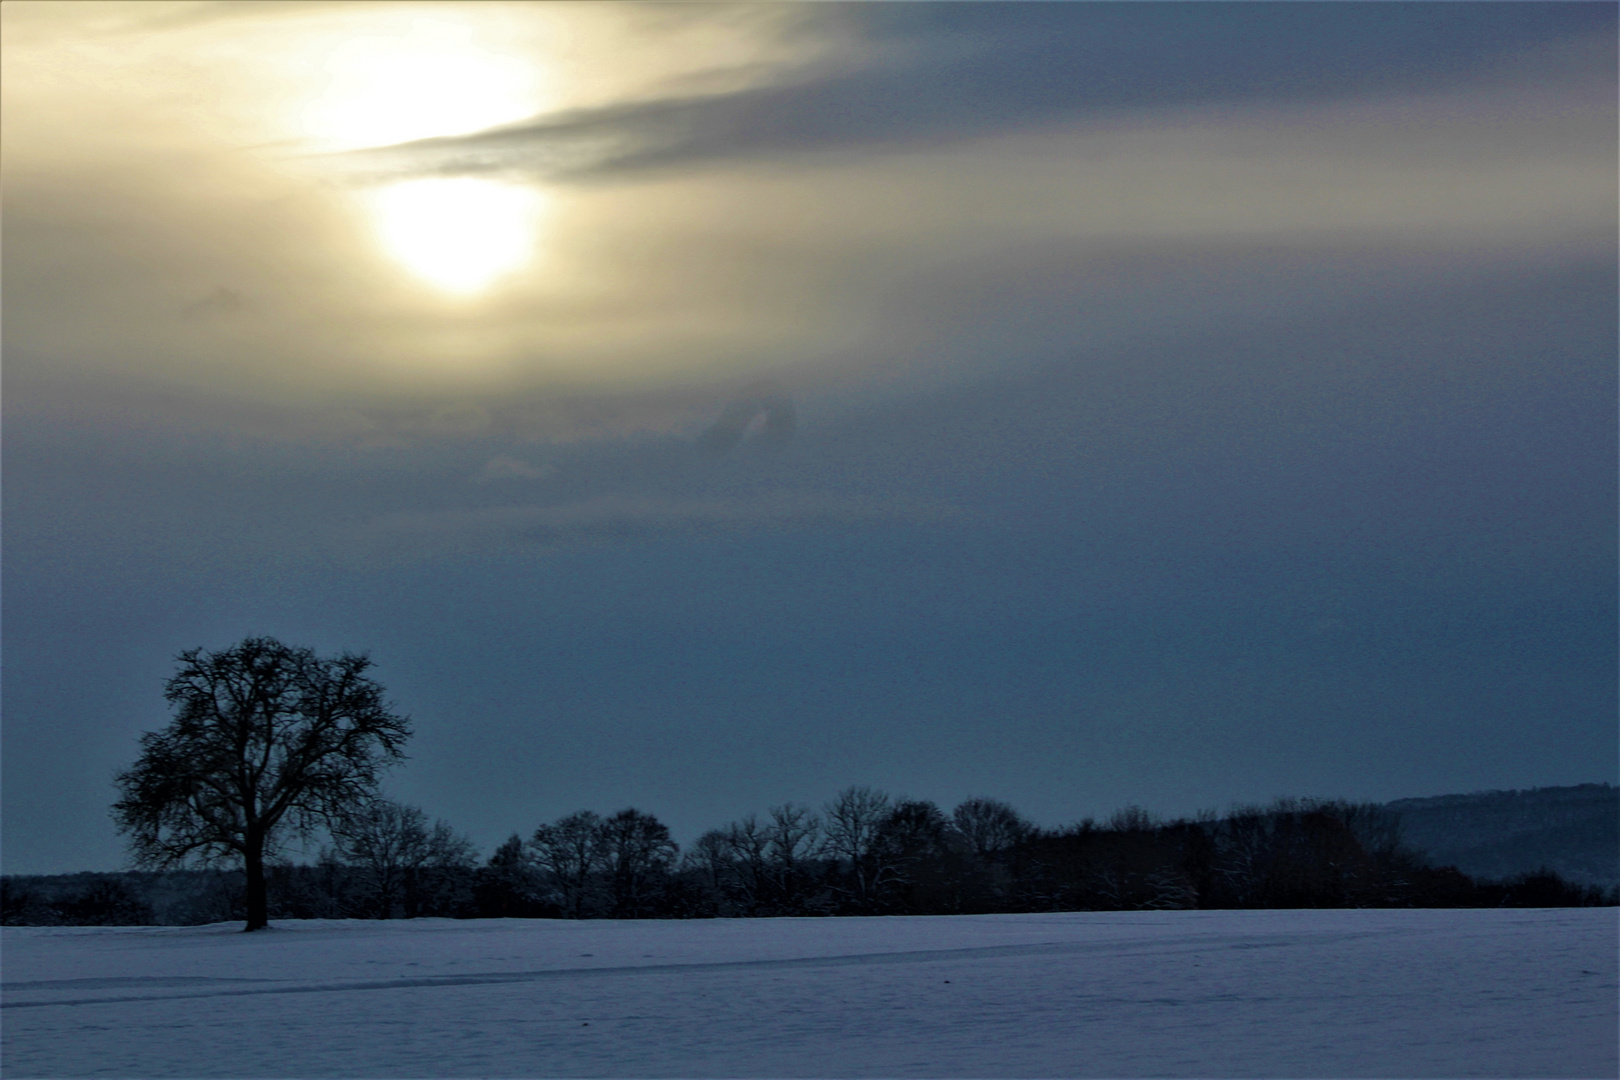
{"x": 1497, "y": 834}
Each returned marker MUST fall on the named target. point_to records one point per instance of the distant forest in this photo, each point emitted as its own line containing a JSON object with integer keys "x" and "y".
{"x": 867, "y": 853}
{"x": 1573, "y": 831}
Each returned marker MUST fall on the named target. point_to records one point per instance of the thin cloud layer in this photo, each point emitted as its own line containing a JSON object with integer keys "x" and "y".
{"x": 1188, "y": 403}
{"x": 501, "y": 467}
{"x": 825, "y": 178}
{"x": 406, "y": 538}
{"x": 766, "y": 402}
{"x": 957, "y": 72}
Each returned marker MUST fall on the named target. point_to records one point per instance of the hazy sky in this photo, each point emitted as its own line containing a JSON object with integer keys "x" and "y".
{"x": 1163, "y": 404}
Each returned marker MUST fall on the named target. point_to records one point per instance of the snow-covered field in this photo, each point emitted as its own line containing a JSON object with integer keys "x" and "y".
{"x": 1197, "y": 994}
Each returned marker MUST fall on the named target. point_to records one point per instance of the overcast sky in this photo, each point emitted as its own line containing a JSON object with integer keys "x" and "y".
{"x": 703, "y": 407}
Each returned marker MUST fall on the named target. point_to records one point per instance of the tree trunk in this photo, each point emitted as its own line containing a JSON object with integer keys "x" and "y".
{"x": 257, "y": 897}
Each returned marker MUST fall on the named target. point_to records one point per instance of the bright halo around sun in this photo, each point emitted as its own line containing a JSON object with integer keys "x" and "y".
{"x": 458, "y": 234}
{"x": 417, "y": 78}
{"x": 395, "y": 76}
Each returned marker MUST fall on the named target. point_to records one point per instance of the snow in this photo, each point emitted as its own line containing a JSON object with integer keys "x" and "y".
{"x": 1492, "y": 993}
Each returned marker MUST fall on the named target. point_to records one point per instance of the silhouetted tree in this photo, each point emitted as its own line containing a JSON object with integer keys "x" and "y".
{"x": 918, "y": 856}
{"x": 506, "y": 884}
{"x": 637, "y": 856}
{"x": 853, "y": 830}
{"x": 755, "y": 867}
{"x": 401, "y": 864}
{"x": 794, "y": 835}
{"x": 267, "y": 739}
{"x": 744, "y": 848}
{"x": 1544, "y": 888}
{"x": 323, "y": 890}
{"x": 707, "y": 863}
{"x": 570, "y": 854}
{"x": 23, "y": 905}
{"x": 1294, "y": 853}
{"x": 990, "y": 826}
{"x": 381, "y": 841}
{"x": 441, "y": 883}
{"x": 79, "y": 900}
{"x": 1131, "y": 819}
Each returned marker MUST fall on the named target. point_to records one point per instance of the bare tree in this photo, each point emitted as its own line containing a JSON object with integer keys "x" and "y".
{"x": 915, "y": 829}
{"x": 710, "y": 857}
{"x": 794, "y": 835}
{"x": 570, "y": 853}
{"x": 507, "y": 882}
{"x": 760, "y": 867}
{"x": 441, "y": 883}
{"x": 747, "y": 847}
{"x": 854, "y": 828}
{"x": 382, "y": 841}
{"x": 1131, "y": 819}
{"x": 267, "y": 740}
{"x": 401, "y": 862}
{"x": 990, "y": 825}
{"x": 637, "y": 857}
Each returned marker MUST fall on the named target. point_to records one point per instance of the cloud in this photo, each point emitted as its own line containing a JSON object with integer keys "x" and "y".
{"x": 953, "y": 72}
{"x": 158, "y": 273}
{"x": 765, "y": 398}
{"x": 615, "y": 519}
{"x": 510, "y": 468}
{"x": 222, "y": 302}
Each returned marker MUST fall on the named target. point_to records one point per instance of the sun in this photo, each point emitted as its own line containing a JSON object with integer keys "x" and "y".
{"x": 417, "y": 77}
{"x": 458, "y": 234}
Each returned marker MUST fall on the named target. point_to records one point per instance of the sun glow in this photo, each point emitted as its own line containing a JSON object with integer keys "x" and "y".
{"x": 459, "y": 234}
{"x": 424, "y": 78}
{"x": 409, "y": 76}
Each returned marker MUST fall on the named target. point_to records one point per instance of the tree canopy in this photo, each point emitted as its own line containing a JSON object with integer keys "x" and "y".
{"x": 267, "y": 739}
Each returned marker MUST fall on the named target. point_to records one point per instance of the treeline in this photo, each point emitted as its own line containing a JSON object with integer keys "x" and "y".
{"x": 863, "y": 853}
{"x": 1496, "y": 834}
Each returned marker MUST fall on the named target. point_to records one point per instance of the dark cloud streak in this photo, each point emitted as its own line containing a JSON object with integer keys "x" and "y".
{"x": 956, "y": 71}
